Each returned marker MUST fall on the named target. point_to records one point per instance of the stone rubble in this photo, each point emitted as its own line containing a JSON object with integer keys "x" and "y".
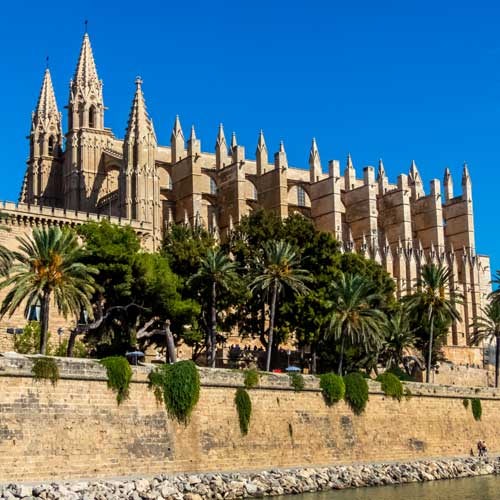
{"x": 222, "y": 486}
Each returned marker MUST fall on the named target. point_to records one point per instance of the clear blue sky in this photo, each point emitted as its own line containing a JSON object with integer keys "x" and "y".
{"x": 399, "y": 80}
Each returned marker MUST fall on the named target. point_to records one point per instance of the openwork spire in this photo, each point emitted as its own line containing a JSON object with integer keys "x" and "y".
{"x": 46, "y": 106}
{"x": 139, "y": 123}
{"x": 177, "y": 129}
{"x": 85, "y": 72}
{"x": 261, "y": 144}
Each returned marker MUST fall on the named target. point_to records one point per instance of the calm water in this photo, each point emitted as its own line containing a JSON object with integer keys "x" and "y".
{"x": 477, "y": 488}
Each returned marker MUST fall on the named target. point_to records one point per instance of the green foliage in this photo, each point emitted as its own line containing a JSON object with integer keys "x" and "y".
{"x": 477, "y": 409}
{"x": 333, "y": 388}
{"x": 80, "y": 350}
{"x": 297, "y": 381}
{"x": 244, "y": 406}
{"x": 178, "y": 385}
{"x": 45, "y": 369}
{"x": 465, "y": 402}
{"x": 119, "y": 376}
{"x": 391, "y": 385}
{"x": 28, "y": 342}
{"x": 400, "y": 374}
{"x": 251, "y": 378}
{"x": 356, "y": 392}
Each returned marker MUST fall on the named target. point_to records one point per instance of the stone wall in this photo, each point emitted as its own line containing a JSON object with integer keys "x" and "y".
{"x": 75, "y": 429}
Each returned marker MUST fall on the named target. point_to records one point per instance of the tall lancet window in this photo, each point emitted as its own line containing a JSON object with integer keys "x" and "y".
{"x": 301, "y": 197}
{"x": 92, "y": 117}
{"x": 51, "y": 145}
{"x": 213, "y": 186}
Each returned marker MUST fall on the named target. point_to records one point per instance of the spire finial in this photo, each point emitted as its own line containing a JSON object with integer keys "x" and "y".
{"x": 192, "y": 137}
{"x": 138, "y": 81}
{"x": 282, "y": 147}
{"x": 234, "y": 142}
{"x": 86, "y": 26}
{"x": 47, "y": 62}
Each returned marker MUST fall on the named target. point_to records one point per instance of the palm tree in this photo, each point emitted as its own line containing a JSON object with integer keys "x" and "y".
{"x": 399, "y": 337}
{"x": 48, "y": 265}
{"x": 278, "y": 270}
{"x": 487, "y": 327}
{"x": 5, "y": 257}
{"x": 431, "y": 302}
{"x": 495, "y": 294}
{"x": 218, "y": 272}
{"x": 355, "y": 317}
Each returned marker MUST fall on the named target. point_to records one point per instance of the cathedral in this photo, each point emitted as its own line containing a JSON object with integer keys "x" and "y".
{"x": 89, "y": 174}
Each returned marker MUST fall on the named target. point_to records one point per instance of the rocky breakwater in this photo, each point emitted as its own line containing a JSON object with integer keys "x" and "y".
{"x": 256, "y": 484}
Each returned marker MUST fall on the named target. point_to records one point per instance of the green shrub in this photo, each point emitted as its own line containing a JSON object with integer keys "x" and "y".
{"x": 251, "y": 378}
{"x": 333, "y": 387}
{"x": 400, "y": 373}
{"x": 465, "y": 402}
{"x": 244, "y": 407}
{"x": 178, "y": 385}
{"x": 28, "y": 342}
{"x": 391, "y": 385}
{"x": 356, "y": 392}
{"x": 119, "y": 376}
{"x": 45, "y": 369}
{"x": 477, "y": 409}
{"x": 297, "y": 381}
{"x": 79, "y": 349}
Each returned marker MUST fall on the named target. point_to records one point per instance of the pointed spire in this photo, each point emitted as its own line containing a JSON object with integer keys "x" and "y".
{"x": 381, "y": 170}
{"x": 221, "y": 139}
{"x": 349, "y": 163}
{"x": 85, "y": 72}
{"x": 192, "y": 136}
{"x": 448, "y": 185}
{"x": 138, "y": 118}
{"x": 465, "y": 174}
{"x": 261, "y": 144}
{"x": 314, "y": 162}
{"x": 282, "y": 147}
{"x": 177, "y": 129}
{"x": 280, "y": 159}
{"x": 46, "y": 105}
{"x": 234, "y": 142}
{"x": 414, "y": 171}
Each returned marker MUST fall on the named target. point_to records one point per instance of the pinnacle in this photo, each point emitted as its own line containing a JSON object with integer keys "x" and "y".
{"x": 465, "y": 172}
{"x": 314, "y": 153}
{"x": 234, "y": 142}
{"x": 447, "y": 174}
{"x": 192, "y": 137}
{"x": 220, "y": 136}
{"x": 282, "y": 147}
{"x": 349, "y": 163}
{"x": 261, "y": 144}
{"x": 138, "y": 118}
{"x": 177, "y": 129}
{"x": 86, "y": 71}
{"x": 381, "y": 169}
{"x": 46, "y": 105}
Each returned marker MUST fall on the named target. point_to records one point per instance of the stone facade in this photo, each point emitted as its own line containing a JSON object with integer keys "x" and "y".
{"x": 138, "y": 181}
{"x": 75, "y": 429}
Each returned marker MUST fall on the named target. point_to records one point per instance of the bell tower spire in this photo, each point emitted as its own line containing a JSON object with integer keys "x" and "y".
{"x": 43, "y": 176}
{"x": 86, "y": 136}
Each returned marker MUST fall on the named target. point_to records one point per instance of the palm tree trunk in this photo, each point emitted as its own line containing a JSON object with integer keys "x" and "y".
{"x": 44, "y": 321}
{"x": 71, "y": 342}
{"x": 171, "y": 355}
{"x": 213, "y": 332}
{"x": 429, "y": 360}
{"x": 341, "y": 355}
{"x": 497, "y": 359}
{"x": 271, "y": 328}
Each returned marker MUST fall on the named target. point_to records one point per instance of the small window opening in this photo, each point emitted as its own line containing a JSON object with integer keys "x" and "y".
{"x": 92, "y": 117}
{"x": 51, "y": 145}
{"x": 213, "y": 186}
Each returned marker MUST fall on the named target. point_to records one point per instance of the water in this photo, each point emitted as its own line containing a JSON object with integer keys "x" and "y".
{"x": 476, "y": 488}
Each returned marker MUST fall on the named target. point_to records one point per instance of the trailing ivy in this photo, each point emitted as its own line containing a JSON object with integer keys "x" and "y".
{"x": 45, "y": 369}
{"x": 297, "y": 381}
{"x": 356, "y": 392}
{"x": 244, "y": 407}
{"x": 119, "y": 376}
{"x": 391, "y": 385}
{"x": 477, "y": 409}
{"x": 178, "y": 386}
{"x": 333, "y": 388}
{"x": 251, "y": 378}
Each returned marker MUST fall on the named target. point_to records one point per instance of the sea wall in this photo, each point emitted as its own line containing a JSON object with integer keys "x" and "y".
{"x": 75, "y": 429}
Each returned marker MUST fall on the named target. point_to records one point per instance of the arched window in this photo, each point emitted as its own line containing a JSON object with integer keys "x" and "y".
{"x": 33, "y": 313}
{"x": 51, "y": 145}
{"x": 213, "y": 186}
{"x": 92, "y": 117}
{"x": 301, "y": 196}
